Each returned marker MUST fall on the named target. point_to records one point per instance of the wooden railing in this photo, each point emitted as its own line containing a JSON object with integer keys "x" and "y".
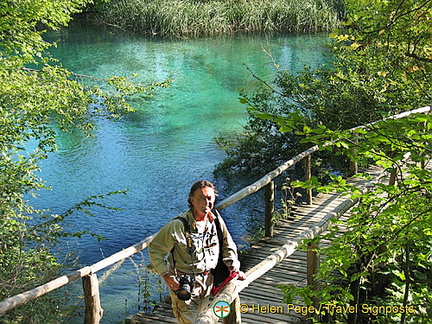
{"x": 230, "y": 293}
{"x": 93, "y": 309}
{"x": 232, "y": 290}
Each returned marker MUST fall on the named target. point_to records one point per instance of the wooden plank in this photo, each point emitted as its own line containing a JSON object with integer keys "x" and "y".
{"x": 162, "y": 315}
{"x": 262, "y": 292}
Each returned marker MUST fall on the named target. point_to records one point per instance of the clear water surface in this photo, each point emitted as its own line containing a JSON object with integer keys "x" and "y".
{"x": 158, "y": 152}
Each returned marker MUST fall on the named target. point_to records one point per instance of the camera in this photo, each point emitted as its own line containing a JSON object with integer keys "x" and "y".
{"x": 187, "y": 283}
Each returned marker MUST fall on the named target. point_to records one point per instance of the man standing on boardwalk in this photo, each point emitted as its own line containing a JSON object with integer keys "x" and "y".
{"x": 189, "y": 248}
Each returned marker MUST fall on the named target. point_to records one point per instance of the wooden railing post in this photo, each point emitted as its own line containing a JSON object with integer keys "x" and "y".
{"x": 308, "y": 177}
{"x": 313, "y": 263}
{"x": 93, "y": 309}
{"x": 353, "y": 168}
{"x": 353, "y": 165}
{"x": 234, "y": 316}
{"x": 392, "y": 179}
{"x": 269, "y": 208}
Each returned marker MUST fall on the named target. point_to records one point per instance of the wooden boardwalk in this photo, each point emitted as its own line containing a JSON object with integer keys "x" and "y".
{"x": 262, "y": 300}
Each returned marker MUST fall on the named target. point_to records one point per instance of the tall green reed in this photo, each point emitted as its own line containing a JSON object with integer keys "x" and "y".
{"x": 195, "y": 17}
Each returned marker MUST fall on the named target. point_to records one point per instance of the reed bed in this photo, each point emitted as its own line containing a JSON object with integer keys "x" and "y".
{"x": 207, "y": 17}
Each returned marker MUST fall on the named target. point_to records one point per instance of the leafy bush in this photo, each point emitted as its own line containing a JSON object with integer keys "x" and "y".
{"x": 380, "y": 65}
{"x": 383, "y": 258}
{"x": 32, "y": 103}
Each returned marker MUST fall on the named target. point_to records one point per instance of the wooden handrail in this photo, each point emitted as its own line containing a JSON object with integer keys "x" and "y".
{"x": 257, "y": 185}
{"x": 29, "y": 295}
{"x": 89, "y": 271}
{"x": 234, "y": 287}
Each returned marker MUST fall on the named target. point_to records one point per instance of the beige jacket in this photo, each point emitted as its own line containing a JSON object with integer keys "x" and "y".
{"x": 206, "y": 248}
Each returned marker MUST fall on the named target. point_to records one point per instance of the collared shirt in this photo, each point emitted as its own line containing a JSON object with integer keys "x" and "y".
{"x": 205, "y": 245}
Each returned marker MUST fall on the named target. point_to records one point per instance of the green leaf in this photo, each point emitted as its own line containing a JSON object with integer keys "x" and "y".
{"x": 243, "y": 100}
{"x": 286, "y": 129}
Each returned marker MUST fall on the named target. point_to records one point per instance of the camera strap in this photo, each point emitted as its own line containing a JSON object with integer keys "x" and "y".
{"x": 188, "y": 234}
{"x": 189, "y": 243}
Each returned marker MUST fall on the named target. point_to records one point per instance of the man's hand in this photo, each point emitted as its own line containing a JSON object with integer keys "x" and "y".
{"x": 241, "y": 275}
{"x": 171, "y": 281}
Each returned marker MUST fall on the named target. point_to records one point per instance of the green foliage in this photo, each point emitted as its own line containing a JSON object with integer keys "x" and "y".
{"x": 382, "y": 66}
{"x": 389, "y": 52}
{"x": 384, "y": 257}
{"x": 192, "y": 18}
{"x": 262, "y": 146}
{"x": 19, "y": 22}
{"x": 26, "y": 258}
{"x": 149, "y": 284}
{"x": 270, "y": 137}
{"x": 34, "y": 103}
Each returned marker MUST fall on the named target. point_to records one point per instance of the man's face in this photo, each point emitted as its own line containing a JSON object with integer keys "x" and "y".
{"x": 203, "y": 201}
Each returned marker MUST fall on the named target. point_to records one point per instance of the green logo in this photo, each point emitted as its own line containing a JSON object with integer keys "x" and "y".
{"x": 221, "y": 309}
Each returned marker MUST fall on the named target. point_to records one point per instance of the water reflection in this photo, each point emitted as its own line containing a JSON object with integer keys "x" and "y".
{"x": 168, "y": 144}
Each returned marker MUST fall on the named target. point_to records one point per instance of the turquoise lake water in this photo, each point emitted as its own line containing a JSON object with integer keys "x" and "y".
{"x": 159, "y": 151}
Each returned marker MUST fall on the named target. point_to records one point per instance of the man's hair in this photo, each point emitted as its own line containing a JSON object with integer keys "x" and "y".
{"x": 198, "y": 185}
